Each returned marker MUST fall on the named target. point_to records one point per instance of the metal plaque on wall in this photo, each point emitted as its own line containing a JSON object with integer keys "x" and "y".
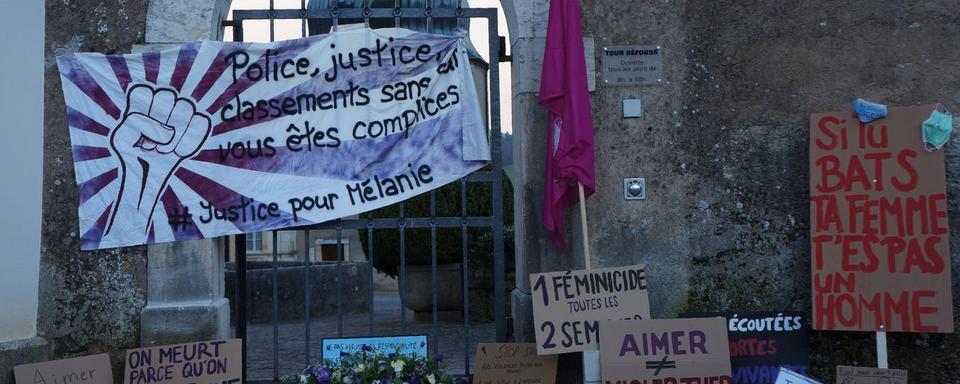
{"x": 632, "y": 65}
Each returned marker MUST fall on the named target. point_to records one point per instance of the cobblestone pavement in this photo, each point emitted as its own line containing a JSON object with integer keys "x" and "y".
{"x": 386, "y": 322}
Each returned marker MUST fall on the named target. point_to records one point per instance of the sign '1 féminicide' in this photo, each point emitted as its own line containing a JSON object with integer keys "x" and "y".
{"x": 666, "y": 351}
{"x": 568, "y": 306}
{"x": 879, "y": 229}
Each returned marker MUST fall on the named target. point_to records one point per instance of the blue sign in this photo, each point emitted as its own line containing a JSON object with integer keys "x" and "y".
{"x": 406, "y": 345}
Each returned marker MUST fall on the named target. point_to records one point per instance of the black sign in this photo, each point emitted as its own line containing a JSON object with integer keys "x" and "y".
{"x": 762, "y": 342}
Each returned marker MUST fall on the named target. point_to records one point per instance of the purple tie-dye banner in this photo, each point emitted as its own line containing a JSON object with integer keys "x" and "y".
{"x": 218, "y": 138}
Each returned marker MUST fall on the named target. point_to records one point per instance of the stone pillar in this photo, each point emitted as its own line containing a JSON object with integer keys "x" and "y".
{"x": 185, "y": 282}
{"x": 527, "y": 21}
{"x": 184, "y": 294}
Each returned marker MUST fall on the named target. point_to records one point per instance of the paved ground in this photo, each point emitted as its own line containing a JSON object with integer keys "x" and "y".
{"x": 386, "y": 322}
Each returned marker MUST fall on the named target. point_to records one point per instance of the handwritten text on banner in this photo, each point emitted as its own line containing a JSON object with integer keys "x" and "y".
{"x": 216, "y": 138}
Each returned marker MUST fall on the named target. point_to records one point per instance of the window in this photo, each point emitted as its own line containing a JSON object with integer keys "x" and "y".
{"x": 327, "y": 249}
{"x": 254, "y": 242}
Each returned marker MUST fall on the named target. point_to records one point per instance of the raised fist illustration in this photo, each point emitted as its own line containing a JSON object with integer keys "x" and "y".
{"x": 158, "y": 131}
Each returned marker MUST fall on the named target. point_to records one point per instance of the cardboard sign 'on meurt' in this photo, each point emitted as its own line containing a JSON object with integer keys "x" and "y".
{"x": 665, "y": 351}
{"x": 569, "y": 306}
{"x": 878, "y": 223}
{"x": 191, "y": 363}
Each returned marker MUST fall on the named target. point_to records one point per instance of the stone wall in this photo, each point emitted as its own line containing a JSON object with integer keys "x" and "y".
{"x": 723, "y": 147}
{"x": 290, "y": 284}
{"x": 90, "y": 302}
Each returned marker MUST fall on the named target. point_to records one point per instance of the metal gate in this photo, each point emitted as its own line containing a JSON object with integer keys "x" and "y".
{"x": 402, "y": 223}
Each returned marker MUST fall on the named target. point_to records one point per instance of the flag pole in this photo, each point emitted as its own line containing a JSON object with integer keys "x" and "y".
{"x": 591, "y": 359}
{"x": 583, "y": 227}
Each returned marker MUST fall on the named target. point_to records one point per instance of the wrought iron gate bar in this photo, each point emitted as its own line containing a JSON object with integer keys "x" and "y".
{"x": 339, "y": 280}
{"x": 275, "y": 315}
{"x": 370, "y": 256}
{"x": 428, "y": 12}
{"x": 306, "y": 297}
{"x": 303, "y": 18}
{"x": 402, "y": 224}
{"x": 433, "y": 271}
{"x": 466, "y": 274}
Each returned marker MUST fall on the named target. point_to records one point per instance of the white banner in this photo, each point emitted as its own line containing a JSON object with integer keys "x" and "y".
{"x": 217, "y": 138}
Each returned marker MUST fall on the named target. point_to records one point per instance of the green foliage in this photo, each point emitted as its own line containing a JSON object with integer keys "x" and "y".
{"x": 366, "y": 366}
{"x": 417, "y": 241}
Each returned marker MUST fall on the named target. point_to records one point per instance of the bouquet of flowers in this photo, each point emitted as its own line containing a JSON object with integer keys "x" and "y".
{"x": 368, "y": 367}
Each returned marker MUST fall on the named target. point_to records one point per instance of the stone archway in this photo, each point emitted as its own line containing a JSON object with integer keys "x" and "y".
{"x": 526, "y": 21}
{"x": 178, "y": 21}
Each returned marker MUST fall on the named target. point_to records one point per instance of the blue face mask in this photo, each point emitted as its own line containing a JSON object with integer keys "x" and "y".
{"x": 936, "y": 130}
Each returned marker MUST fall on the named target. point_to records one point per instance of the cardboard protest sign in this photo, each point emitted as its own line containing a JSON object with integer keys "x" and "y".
{"x": 869, "y": 375}
{"x": 568, "y": 306}
{"x": 217, "y": 138}
{"x": 761, "y": 343}
{"x": 787, "y": 376}
{"x": 405, "y": 345}
{"x": 665, "y": 351}
{"x": 93, "y": 369}
{"x": 879, "y": 237}
{"x": 201, "y": 362}
{"x": 511, "y": 363}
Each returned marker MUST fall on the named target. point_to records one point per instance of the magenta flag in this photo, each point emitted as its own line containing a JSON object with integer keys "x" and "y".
{"x": 563, "y": 91}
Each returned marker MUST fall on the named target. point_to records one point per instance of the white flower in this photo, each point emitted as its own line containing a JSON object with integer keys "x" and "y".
{"x": 361, "y": 367}
{"x": 397, "y": 365}
{"x": 431, "y": 379}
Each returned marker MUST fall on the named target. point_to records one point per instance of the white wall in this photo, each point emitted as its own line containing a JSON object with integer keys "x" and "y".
{"x": 21, "y": 165}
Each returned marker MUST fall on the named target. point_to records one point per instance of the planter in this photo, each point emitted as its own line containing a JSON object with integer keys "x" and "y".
{"x": 418, "y": 290}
